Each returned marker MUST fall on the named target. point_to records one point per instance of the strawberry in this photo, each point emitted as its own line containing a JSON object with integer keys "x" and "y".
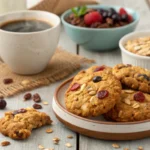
{"x": 92, "y": 17}
{"x": 122, "y": 11}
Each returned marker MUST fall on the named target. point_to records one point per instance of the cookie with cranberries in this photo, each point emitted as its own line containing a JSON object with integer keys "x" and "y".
{"x": 133, "y": 77}
{"x": 92, "y": 94}
{"x": 133, "y": 106}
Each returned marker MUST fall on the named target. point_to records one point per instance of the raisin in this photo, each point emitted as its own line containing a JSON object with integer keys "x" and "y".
{"x": 8, "y": 81}
{"x": 27, "y": 96}
{"x": 22, "y": 110}
{"x": 37, "y": 106}
{"x": 97, "y": 79}
{"x": 37, "y": 98}
{"x": 139, "y": 96}
{"x": 144, "y": 76}
{"x": 75, "y": 87}
{"x": 100, "y": 68}
{"x": 2, "y": 104}
{"x": 102, "y": 94}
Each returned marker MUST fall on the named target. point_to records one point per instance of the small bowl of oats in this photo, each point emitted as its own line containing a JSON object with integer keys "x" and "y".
{"x": 135, "y": 49}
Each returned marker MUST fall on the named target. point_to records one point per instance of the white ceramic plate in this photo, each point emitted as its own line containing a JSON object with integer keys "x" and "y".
{"x": 97, "y": 127}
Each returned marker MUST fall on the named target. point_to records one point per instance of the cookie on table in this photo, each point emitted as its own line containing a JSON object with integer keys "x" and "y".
{"x": 133, "y": 106}
{"x": 19, "y": 124}
{"x": 99, "y": 69}
{"x": 92, "y": 94}
{"x": 133, "y": 77}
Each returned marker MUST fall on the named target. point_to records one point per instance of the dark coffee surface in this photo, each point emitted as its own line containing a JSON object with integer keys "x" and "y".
{"x": 25, "y": 26}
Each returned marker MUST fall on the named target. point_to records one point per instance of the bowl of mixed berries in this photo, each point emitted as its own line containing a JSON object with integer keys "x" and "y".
{"x": 99, "y": 27}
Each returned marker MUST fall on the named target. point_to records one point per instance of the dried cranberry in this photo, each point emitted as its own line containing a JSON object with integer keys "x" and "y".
{"x": 37, "y": 98}
{"x": 97, "y": 79}
{"x": 102, "y": 94}
{"x": 2, "y": 104}
{"x": 37, "y": 106}
{"x": 75, "y": 87}
{"x": 27, "y": 96}
{"x": 139, "y": 96}
{"x": 8, "y": 81}
{"x": 100, "y": 68}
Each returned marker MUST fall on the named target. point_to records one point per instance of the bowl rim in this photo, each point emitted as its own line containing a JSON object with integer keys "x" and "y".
{"x": 101, "y": 29}
{"x": 126, "y": 38}
{"x": 86, "y": 119}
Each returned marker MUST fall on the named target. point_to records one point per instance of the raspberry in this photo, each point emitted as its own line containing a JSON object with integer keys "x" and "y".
{"x": 75, "y": 87}
{"x": 102, "y": 94}
{"x": 130, "y": 18}
{"x": 92, "y": 17}
{"x": 100, "y": 68}
{"x": 122, "y": 11}
{"x": 139, "y": 96}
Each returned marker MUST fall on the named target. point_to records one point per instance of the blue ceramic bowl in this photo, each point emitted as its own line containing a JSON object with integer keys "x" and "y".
{"x": 99, "y": 39}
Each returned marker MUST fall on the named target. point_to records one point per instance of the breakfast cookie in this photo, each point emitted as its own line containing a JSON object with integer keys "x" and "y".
{"x": 19, "y": 124}
{"x": 133, "y": 106}
{"x": 92, "y": 94}
{"x": 99, "y": 69}
{"x": 133, "y": 77}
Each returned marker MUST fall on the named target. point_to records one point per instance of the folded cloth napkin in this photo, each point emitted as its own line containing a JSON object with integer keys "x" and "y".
{"x": 59, "y": 6}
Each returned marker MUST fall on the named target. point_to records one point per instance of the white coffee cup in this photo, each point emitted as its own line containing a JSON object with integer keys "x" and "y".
{"x": 29, "y": 53}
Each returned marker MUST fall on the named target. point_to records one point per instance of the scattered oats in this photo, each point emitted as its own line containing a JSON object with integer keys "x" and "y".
{"x": 56, "y": 140}
{"x": 25, "y": 82}
{"x": 45, "y": 102}
{"x": 127, "y": 101}
{"x": 5, "y": 143}
{"x": 69, "y": 136}
{"x": 68, "y": 145}
{"x": 140, "y": 148}
{"x": 49, "y": 130}
{"x": 126, "y": 149}
{"x": 40, "y": 147}
{"x": 115, "y": 146}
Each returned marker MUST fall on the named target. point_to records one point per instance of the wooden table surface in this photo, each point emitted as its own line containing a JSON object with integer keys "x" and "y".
{"x": 79, "y": 142}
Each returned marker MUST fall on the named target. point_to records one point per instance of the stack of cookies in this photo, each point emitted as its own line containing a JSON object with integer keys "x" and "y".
{"x": 121, "y": 93}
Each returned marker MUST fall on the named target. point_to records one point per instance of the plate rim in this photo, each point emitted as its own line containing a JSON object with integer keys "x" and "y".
{"x": 87, "y": 119}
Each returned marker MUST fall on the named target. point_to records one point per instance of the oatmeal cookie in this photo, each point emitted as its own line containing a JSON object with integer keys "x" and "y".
{"x": 133, "y": 77}
{"x": 19, "y": 124}
{"x": 92, "y": 94}
{"x": 133, "y": 106}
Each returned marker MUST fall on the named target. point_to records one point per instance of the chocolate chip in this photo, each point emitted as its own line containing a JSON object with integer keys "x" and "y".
{"x": 27, "y": 96}
{"x": 37, "y": 106}
{"x": 8, "y": 81}
{"x": 145, "y": 76}
{"x": 37, "y": 98}
{"x": 97, "y": 79}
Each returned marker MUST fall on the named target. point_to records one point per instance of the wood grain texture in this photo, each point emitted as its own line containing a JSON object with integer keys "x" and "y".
{"x": 112, "y": 58}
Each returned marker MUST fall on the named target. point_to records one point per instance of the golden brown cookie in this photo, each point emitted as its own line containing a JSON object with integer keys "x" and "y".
{"x": 92, "y": 94}
{"x": 133, "y": 106}
{"x": 133, "y": 77}
{"x": 19, "y": 124}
